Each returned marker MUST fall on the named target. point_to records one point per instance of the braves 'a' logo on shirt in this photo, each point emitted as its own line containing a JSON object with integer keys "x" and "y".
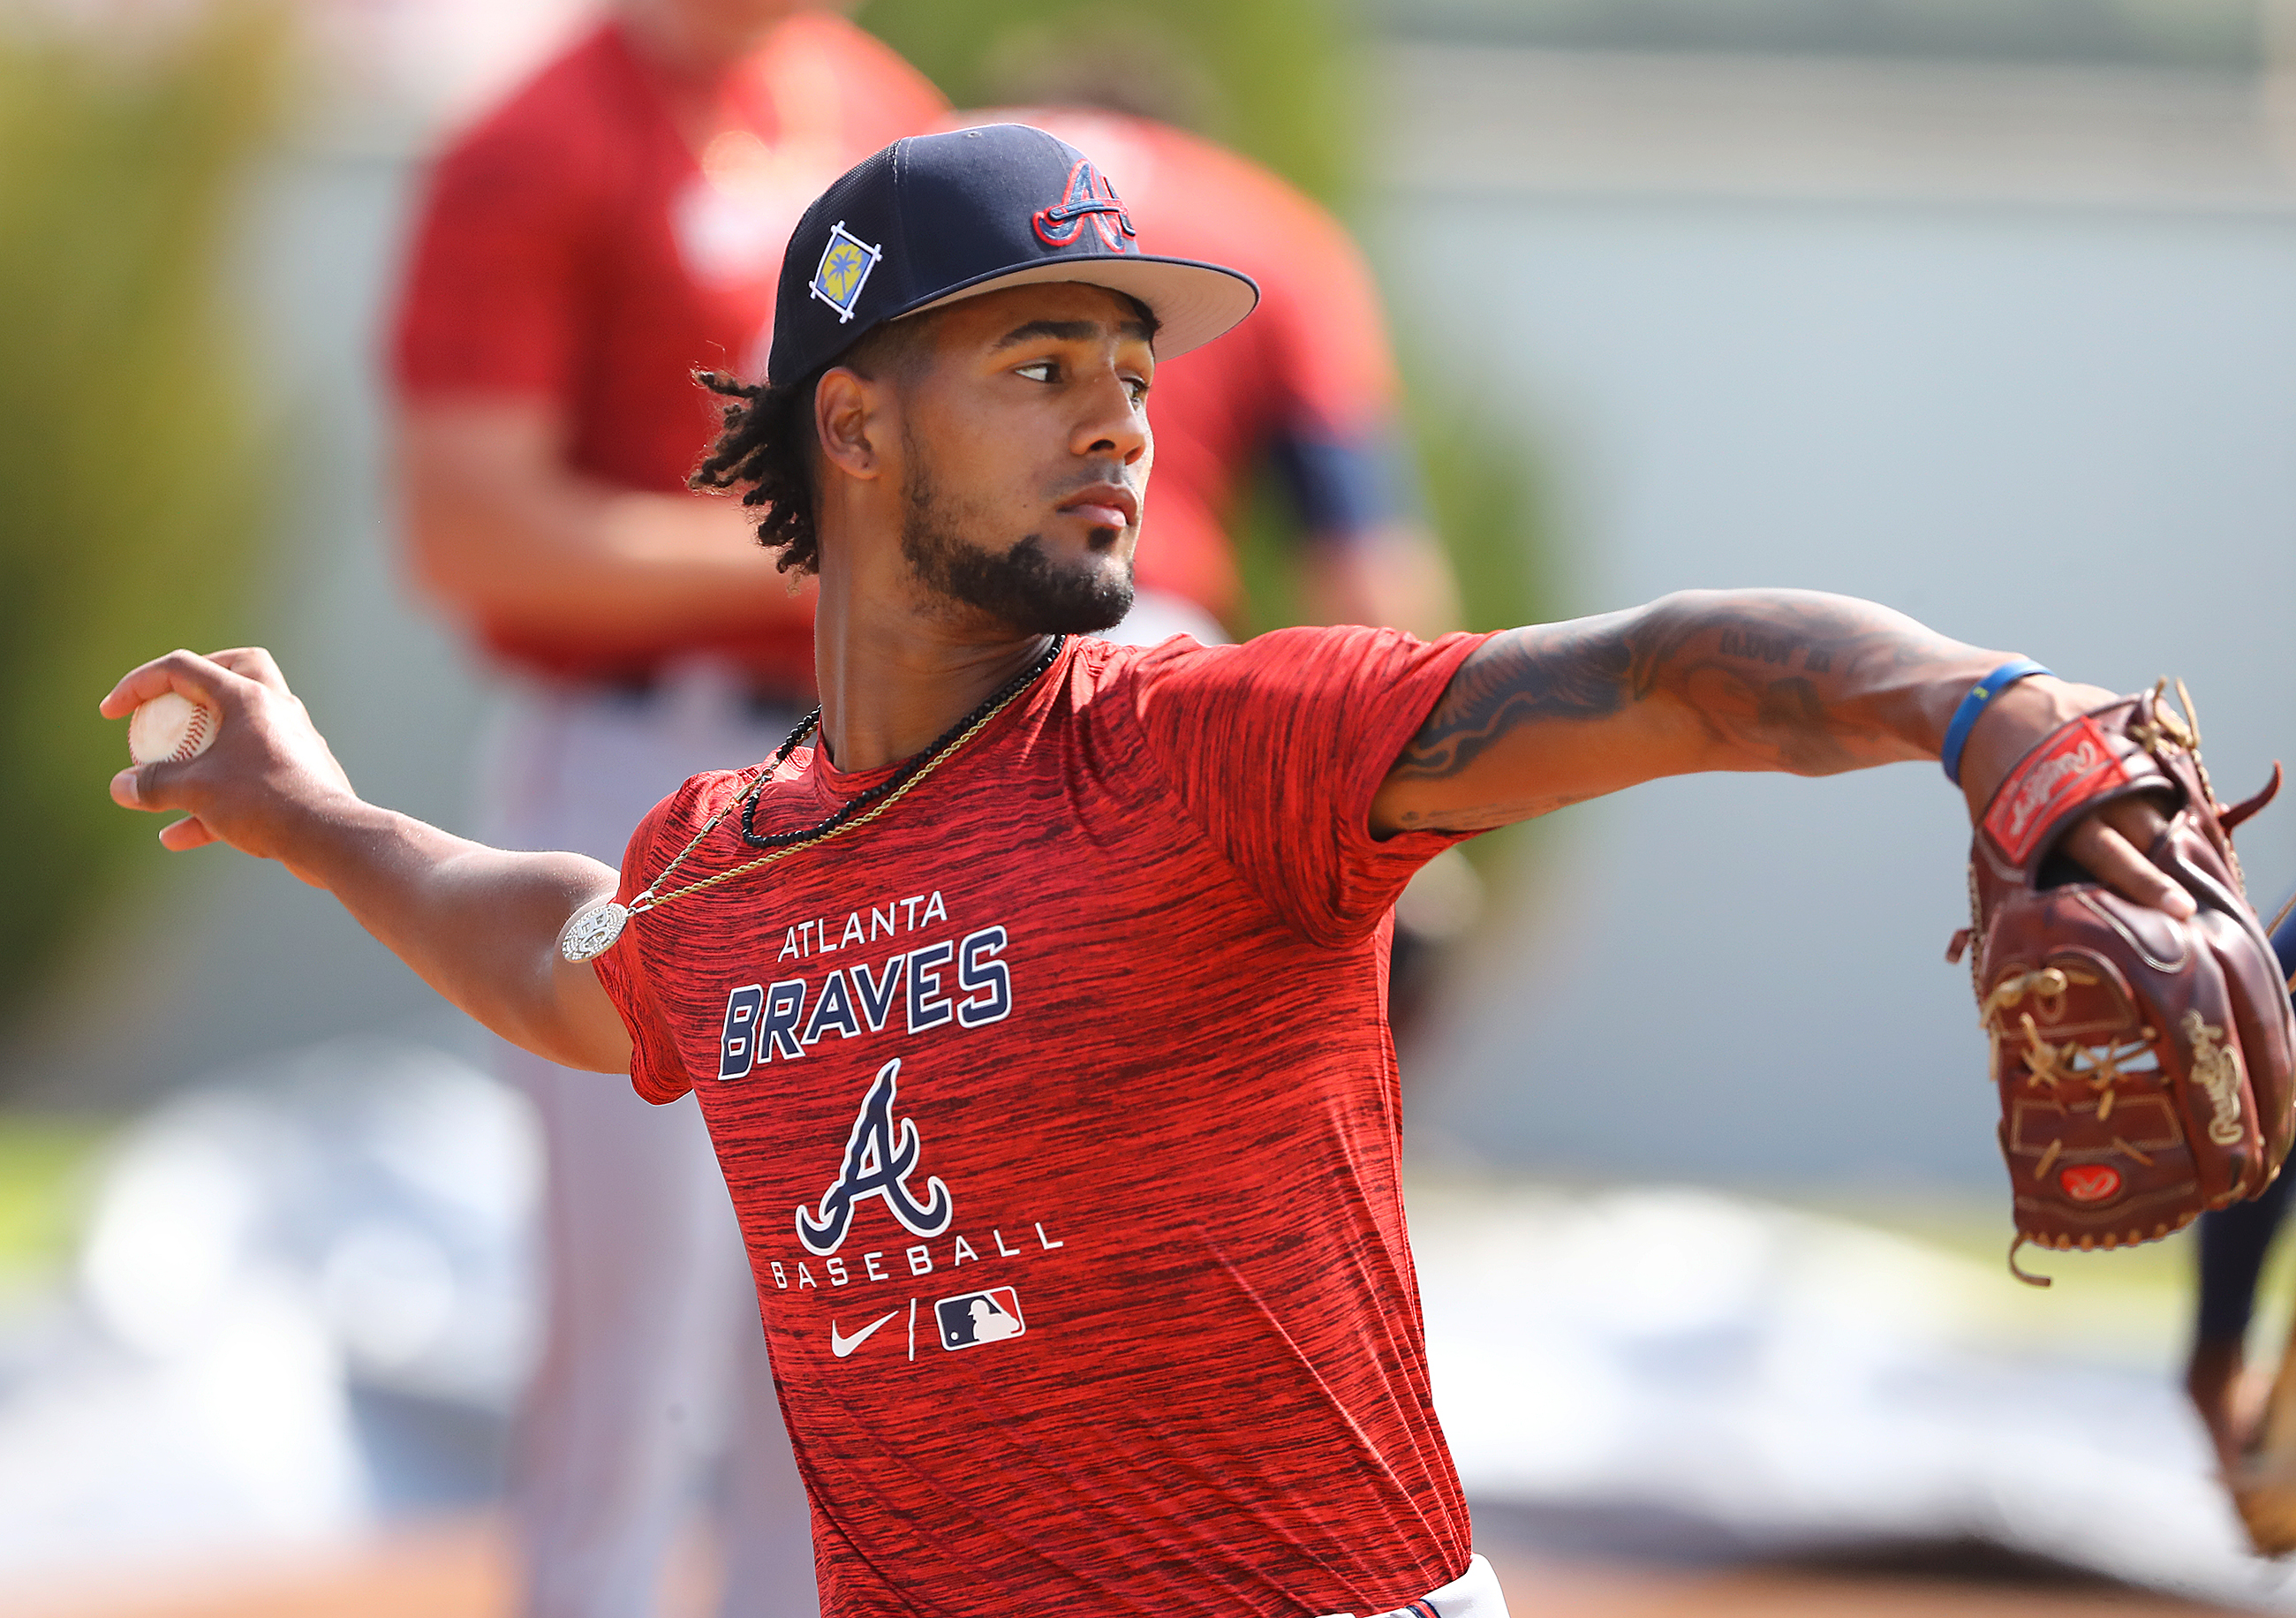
{"x": 878, "y": 1159}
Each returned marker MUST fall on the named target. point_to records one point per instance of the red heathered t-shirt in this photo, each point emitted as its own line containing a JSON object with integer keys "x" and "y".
{"x": 1313, "y": 361}
{"x": 1060, "y": 1111}
{"x": 572, "y": 248}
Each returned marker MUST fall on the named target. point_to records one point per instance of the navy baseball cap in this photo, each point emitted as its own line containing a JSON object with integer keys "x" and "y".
{"x": 937, "y": 217}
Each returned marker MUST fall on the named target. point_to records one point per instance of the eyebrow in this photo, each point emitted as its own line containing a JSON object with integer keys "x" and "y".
{"x": 1072, "y": 331}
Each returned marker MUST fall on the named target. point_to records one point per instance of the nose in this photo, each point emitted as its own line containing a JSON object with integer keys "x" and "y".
{"x": 1110, "y": 423}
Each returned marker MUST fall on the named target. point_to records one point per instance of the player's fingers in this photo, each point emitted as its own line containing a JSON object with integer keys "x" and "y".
{"x": 158, "y": 786}
{"x": 2141, "y": 820}
{"x": 251, "y": 662}
{"x": 190, "y": 833}
{"x": 185, "y": 672}
{"x": 2109, "y": 856}
{"x": 144, "y": 786}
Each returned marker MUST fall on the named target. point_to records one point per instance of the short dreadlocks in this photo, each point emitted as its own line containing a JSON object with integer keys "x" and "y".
{"x": 766, "y": 444}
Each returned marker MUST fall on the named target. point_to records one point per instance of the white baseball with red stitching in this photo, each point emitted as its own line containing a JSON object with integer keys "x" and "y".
{"x": 170, "y": 728}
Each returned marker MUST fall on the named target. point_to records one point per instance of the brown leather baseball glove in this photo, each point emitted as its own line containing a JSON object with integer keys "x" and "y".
{"x": 2144, "y": 1062}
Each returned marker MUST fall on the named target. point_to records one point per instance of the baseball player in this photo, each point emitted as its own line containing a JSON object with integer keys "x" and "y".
{"x": 614, "y": 223}
{"x": 1045, "y": 973}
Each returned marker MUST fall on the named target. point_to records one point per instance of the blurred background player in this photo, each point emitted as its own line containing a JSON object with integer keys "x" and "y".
{"x": 2234, "y": 1244}
{"x": 614, "y": 224}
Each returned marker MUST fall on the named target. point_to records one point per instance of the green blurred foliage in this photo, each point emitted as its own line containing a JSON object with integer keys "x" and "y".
{"x": 1275, "y": 79}
{"x": 129, "y": 471}
{"x": 44, "y": 1175}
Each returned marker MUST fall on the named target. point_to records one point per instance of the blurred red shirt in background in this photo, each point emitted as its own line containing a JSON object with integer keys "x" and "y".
{"x": 574, "y": 247}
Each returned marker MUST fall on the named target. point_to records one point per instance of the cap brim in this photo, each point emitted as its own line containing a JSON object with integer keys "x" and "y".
{"x": 1192, "y": 302}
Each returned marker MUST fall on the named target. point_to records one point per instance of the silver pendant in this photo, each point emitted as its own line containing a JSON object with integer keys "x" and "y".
{"x": 592, "y": 931}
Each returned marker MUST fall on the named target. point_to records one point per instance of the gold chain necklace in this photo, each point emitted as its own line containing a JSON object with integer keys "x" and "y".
{"x": 593, "y": 928}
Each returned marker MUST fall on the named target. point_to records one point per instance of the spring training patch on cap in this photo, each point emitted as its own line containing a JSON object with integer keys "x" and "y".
{"x": 845, "y": 265}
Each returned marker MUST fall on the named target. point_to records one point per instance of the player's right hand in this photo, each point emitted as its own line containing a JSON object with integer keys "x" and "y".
{"x": 268, "y": 771}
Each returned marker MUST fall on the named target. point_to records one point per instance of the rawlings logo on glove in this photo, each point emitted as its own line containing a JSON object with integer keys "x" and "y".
{"x": 2144, "y": 1062}
{"x": 2072, "y": 766}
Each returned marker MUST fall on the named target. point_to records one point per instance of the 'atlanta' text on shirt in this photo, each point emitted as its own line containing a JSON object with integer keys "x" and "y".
{"x": 812, "y": 938}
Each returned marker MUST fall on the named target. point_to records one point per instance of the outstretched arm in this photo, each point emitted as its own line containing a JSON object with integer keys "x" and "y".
{"x": 480, "y": 926}
{"x": 1792, "y": 681}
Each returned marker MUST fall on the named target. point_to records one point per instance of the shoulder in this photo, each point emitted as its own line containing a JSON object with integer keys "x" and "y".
{"x": 1102, "y": 668}
{"x": 672, "y": 823}
{"x": 1347, "y": 677}
{"x": 1283, "y": 658}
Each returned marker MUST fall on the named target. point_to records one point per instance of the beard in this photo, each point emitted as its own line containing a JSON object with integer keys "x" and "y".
{"x": 1022, "y": 587}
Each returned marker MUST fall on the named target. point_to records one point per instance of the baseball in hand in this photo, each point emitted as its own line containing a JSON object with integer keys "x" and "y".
{"x": 169, "y": 728}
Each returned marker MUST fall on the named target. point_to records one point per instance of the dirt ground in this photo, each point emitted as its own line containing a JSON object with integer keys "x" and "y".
{"x": 458, "y": 1570}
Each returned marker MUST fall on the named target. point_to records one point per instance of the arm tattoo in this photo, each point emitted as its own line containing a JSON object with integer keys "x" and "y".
{"x": 1583, "y": 674}
{"x": 1774, "y": 680}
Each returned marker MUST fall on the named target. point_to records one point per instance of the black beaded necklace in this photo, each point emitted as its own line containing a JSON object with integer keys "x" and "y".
{"x": 592, "y": 930}
{"x": 892, "y": 786}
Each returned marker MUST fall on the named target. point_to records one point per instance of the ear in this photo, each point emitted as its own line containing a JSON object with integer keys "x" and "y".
{"x": 850, "y": 422}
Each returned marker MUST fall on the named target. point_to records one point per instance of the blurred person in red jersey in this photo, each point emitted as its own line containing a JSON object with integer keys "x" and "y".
{"x": 615, "y": 224}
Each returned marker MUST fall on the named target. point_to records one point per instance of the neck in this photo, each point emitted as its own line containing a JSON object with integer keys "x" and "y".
{"x": 896, "y": 671}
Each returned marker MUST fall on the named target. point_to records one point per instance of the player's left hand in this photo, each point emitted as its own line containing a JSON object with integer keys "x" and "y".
{"x": 2109, "y": 843}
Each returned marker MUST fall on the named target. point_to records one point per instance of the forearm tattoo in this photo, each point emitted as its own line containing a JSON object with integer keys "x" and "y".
{"x": 1778, "y": 679}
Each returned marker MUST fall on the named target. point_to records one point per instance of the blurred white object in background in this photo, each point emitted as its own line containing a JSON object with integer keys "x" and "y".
{"x": 239, "y": 1435}
{"x": 353, "y": 1216}
{"x": 390, "y": 1183}
{"x": 1444, "y": 898}
{"x": 1789, "y": 1382}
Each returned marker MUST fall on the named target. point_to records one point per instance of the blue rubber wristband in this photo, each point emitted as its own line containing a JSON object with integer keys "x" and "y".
{"x": 1981, "y": 694}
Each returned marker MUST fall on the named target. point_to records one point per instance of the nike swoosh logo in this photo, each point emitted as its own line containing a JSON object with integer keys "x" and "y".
{"x": 840, "y": 1346}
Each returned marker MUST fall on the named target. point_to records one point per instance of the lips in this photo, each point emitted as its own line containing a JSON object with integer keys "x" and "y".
{"x": 1104, "y": 505}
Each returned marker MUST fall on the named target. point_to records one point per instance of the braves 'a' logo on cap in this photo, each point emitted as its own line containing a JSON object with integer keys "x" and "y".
{"x": 1090, "y": 199}
{"x": 844, "y": 270}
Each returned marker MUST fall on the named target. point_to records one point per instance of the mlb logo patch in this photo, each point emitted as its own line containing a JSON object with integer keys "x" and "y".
{"x": 844, "y": 270}
{"x": 971, "y": 1318}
